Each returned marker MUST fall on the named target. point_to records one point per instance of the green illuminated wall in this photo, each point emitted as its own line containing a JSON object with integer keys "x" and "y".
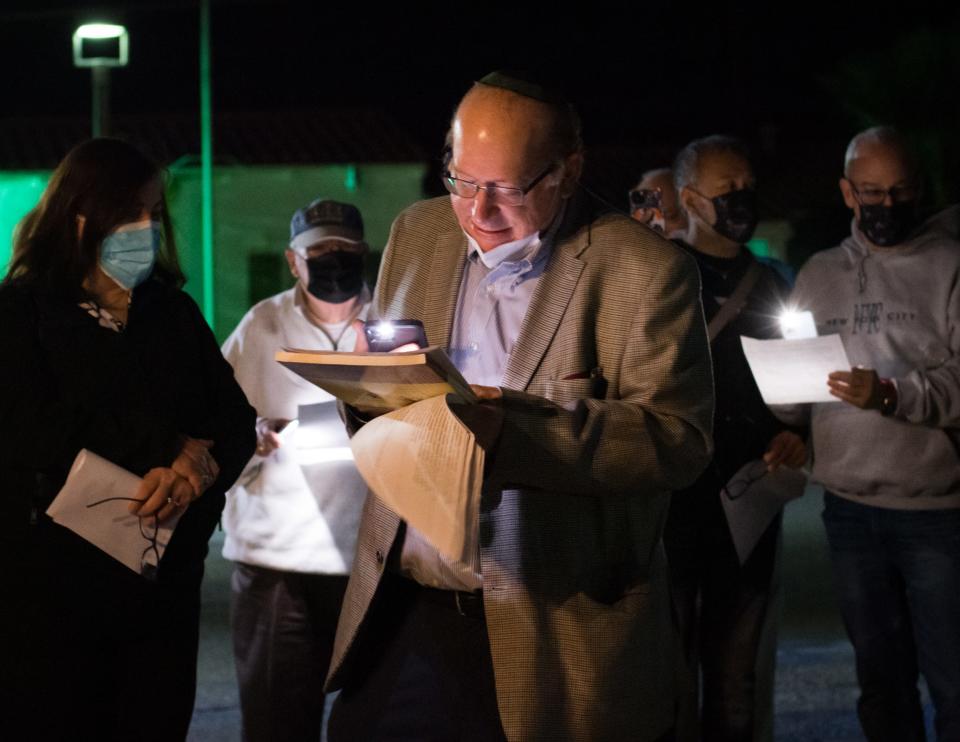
{"x": 19, "y": 192}
{"x": 252, "y": 210}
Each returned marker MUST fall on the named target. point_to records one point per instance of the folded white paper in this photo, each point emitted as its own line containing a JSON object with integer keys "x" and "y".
{"x": 94, "y": 503}
{"x": 318, "y": 435}
{"x": 795, "y": 371}
{"x": 753, "y": 497}
{"x": 426, "y": 465}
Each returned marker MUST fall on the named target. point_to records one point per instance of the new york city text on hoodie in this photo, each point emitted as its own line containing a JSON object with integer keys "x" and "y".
{"x": 897, "y": 310}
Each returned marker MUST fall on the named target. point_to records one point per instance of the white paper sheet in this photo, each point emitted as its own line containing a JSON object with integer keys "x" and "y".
{"x": 753, "y": 497}
{"x": 795, "y": 371}
{"x": 426, "y": 465}
{"x": 86, "y": 506}
{"x": 317, "y": 436}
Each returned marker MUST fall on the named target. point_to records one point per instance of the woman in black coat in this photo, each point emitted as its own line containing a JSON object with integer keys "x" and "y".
{"x": 102, "y": 350}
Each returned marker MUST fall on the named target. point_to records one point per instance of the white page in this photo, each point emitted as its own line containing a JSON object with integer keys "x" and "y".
{"x": 317, "y": 436}
{"x": 795, "y": 371}
{"x": 426, "y": 465}
{"x": 753, "y": 497}
{"x": 109, "y": 525}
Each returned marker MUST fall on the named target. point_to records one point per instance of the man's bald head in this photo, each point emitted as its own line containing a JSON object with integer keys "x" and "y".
{"x": 880, "y": 184}
{"x": 657, "y": 178}
{"x": 547, "y": 124}
{"x": 503, "y": 139}
{"x": 878, "y": 142}
{"x": 487, "y": 114}
{"x": 669, "y": 218}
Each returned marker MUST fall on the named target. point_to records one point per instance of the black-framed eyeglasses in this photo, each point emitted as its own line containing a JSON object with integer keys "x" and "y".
{"x": 150, "y": 559}
{"x": 501, "y": 194}
{"x": 646, "y": 198}
{"x": 872, "y": 196}
{"x": 736, "y": 487}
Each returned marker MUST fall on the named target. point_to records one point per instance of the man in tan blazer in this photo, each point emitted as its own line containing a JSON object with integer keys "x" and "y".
{"x": 587, "y": 333}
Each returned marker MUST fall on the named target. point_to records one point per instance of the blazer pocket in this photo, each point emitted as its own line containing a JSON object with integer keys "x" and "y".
{"x": 567, "y": 392}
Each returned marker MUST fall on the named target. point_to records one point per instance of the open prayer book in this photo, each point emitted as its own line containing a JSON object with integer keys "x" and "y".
{"x": 379, "y": 381}
{"x": 94, "y": 503}
{"x": 420, "y": 458}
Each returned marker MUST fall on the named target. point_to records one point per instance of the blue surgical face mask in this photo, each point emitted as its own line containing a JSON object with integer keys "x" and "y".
{"x": 128, "y": 253}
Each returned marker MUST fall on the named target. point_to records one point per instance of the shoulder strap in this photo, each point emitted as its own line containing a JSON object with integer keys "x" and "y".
{"x": 732, "y": 306}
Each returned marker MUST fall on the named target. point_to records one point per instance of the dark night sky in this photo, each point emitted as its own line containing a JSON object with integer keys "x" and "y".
{"x": 730, "y": 66}
{"x": 640, "y": 77}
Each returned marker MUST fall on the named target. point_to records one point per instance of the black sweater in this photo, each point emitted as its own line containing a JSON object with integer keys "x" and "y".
{"x": 742, "y": 425}
{"x": 67, "y": 383}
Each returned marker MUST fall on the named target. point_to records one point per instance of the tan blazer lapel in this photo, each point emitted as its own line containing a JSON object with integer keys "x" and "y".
{"x": 547, "y": 307}
{"x": 443, "y": 288}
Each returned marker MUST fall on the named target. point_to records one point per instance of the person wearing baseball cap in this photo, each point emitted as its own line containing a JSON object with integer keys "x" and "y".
{"x": 291, "y": 520}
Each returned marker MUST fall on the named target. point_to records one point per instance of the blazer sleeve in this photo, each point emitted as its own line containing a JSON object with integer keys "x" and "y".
{"x": 651, "y": 433}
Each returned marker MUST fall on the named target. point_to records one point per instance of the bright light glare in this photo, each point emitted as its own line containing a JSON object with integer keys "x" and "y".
{"x": 795, "y": 325}
{"x": 100, "y": 31}
{"x": 385, "y": 330}
{"x": 85, "y": 49}
{"x": 789, "y": 319}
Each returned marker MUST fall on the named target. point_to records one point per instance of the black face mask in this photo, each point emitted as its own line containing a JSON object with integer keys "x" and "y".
{"x": 736, "y": 214}
{"x": 888, "y": 225}
{"x": 336, "y": 276}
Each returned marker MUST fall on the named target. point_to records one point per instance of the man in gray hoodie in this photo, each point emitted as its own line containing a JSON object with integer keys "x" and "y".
{"x": 887, "y": 452}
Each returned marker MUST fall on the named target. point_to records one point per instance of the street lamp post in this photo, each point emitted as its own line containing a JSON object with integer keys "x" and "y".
{"x": 100, "y": 46}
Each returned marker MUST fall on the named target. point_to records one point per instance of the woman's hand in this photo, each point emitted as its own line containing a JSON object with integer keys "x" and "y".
{"x": 196, "y": 464}
{"x": 162, "y": 493}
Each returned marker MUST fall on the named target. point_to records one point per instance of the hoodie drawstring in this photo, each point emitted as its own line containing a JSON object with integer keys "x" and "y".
{"x": 862, "y": 272}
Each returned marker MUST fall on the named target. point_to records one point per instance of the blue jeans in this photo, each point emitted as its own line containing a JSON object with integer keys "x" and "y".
{"x": 898, "y": 576}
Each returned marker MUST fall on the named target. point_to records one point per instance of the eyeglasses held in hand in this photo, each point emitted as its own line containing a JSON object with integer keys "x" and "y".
{"x": 742, "y": 482}
{"x": 150, "y": 559}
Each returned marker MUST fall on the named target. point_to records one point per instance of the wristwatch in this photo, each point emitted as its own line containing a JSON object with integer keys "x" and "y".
{"x": 888, "y": 397}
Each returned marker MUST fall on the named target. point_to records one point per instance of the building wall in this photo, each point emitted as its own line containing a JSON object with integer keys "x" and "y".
{"x": 252, "y": 210}
{"x": 19, "y": 192}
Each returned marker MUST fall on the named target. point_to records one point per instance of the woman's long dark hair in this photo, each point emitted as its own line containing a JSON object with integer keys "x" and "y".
{"x": 99, "y": 180}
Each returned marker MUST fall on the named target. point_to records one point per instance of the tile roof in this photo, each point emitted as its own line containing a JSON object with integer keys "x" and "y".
{"x": 286, "y": 137}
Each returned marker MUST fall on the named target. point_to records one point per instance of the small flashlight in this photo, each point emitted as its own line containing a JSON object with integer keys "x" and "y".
{"x": 385, "y": 331}
{"x": 795, "y": 325}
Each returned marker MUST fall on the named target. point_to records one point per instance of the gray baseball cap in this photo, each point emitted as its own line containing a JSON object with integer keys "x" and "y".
{"x": 323, "y": 219}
